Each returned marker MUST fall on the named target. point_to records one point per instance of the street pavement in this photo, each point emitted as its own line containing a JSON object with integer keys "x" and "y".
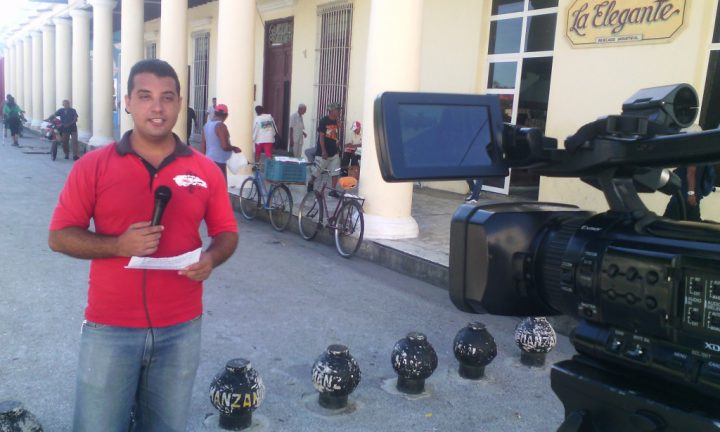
{"x": 278, "y": 302}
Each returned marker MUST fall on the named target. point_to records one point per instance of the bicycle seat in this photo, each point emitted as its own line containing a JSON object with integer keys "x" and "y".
{"x": 346, "y": 183}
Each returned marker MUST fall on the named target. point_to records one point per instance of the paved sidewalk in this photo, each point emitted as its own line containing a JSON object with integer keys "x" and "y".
{"x": 280, "y": 320}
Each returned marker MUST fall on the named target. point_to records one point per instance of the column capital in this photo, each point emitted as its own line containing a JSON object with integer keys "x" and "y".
{"x": 62, "y": 21}
{"x": 48, "y": 28}
{"x": 80, "y": 13}
{"x": 35, "y": 34}
{"x": 102, "y": 3}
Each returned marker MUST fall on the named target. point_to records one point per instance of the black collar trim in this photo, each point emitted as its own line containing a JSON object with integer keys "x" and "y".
{"x": 124, "y": 148}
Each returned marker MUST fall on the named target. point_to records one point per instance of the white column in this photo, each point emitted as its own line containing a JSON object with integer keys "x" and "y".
{"x": 132, "y": 29}
{"x": 48, "y": 72}
{"x": 10, "y": 62}
{"x": 81, "y": 71}
{"x": 15, "y": 65}
{"x": 26, "y": 78}
{"x": 102, "y": 73}
{"x": 236, "y": 73}
{"x": 393, "y": 63}
{"x": 37, "y": 79}
{"x": 173, "y": 49}
{"x": 63, "y": 60}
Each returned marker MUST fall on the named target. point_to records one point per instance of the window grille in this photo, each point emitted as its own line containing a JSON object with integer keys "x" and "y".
{"x": 334, "y": 33}
{"x": 200, "y": 75}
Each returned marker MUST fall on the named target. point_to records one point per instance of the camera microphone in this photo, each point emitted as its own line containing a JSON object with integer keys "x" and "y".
{"x": 162, "y": 197}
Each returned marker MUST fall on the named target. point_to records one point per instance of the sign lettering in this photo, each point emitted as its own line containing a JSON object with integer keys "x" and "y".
{"x": 603, "y": 22}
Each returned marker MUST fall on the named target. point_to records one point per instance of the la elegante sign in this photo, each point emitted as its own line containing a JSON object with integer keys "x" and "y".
{"x": 592, "y": 23}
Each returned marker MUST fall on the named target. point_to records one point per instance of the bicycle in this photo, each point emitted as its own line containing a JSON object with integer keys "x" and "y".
{"x": 277, "y": 200}
{"x": 347, "y": 219}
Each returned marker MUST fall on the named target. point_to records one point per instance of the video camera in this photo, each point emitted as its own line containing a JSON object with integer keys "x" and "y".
{"x": 646, "y": 289}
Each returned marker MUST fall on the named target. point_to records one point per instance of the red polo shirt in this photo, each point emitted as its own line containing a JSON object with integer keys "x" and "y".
{"x": 115, "y": 188}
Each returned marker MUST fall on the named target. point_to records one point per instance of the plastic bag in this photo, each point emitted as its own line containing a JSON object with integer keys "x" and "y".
{"x": 236, "y": 162}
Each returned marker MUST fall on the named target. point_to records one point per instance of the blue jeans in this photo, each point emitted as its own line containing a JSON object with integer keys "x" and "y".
{"x": 475, "y": 186}
{"x": 122, "y": 370}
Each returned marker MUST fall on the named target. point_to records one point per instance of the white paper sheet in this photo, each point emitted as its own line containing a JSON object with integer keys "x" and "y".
{"x": 168, "y": 263}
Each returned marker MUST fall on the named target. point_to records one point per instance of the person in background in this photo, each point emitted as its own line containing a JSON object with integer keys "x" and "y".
{"x": 68, "y": 128}
{"x": 297, "y": 131}
{"x": 327, "y": 148}
{"x": 215, "y": 140}
{"x": 475, "y": 186}
{"x": 191, "y": 119}
{"x": 140, "y": 341}
{"x": 12, "y": 113}
{"x": 264, "y": 132}
{"x": 352, "y": 152}
{"x": 691, "y": 188}
{"x": 211, "y": 110}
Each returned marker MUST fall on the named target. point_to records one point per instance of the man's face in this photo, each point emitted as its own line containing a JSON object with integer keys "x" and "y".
{"x": 214, "y": 101}
{"x": 333, "y": 114}
{"x": 66, "y": 104}
{"x": 154, "y": 105}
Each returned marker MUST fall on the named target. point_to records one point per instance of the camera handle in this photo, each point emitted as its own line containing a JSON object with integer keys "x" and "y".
{"x": 621, "y": 191}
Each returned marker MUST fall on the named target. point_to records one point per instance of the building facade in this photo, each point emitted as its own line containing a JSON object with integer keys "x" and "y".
{"x": 554, "y": 64}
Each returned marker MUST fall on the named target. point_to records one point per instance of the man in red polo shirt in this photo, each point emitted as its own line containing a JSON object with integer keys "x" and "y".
{"x": 140, "y": 341}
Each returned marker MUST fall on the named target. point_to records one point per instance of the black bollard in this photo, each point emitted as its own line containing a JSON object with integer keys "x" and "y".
{"x": 474, "y": 348}
{"x": 236, "y": 391}
{"x": 15, "y": 418}
{"x": 536, "y": 338}
{"x": 335, "y": 375}
{"x": 414, "y": 360}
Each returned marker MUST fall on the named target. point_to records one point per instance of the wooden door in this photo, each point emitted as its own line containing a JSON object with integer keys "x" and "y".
{"x": 277, "y": 75}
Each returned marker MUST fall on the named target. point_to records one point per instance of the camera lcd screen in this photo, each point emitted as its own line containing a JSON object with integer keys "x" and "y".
{"x": 423, "y": 136}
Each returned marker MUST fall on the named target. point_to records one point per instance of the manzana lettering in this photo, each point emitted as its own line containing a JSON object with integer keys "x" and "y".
{"x": 607, "y": 14}
{"x": 234, "y": 401}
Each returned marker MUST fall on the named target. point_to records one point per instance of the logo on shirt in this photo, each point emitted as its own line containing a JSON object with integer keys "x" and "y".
{"x": 331, "y": 131}
{"x": 189, "y": 180}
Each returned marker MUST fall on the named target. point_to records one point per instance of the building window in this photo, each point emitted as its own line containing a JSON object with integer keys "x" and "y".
{"x": 334, "y": 31}
{"x": 151, "y": 50}
{"x": 200, "y": 74}
{"x": 520, "y": 50}
{"x": 522, "y": 35}
{"x": 710, "y": 110}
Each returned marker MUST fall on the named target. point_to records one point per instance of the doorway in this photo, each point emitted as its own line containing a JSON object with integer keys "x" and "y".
{"x": 277, "y": 76}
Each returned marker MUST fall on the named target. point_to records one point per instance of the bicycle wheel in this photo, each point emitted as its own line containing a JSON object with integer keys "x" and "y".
{"x": 53, "y": 149}
{"x": 310, "y": 215}
{"x": 349, "y": 228}
{"x": 249, "y": 198}
{"x": 280, "y": 208}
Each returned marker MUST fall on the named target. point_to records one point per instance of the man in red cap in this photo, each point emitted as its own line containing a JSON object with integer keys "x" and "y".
{"x": 215, "y": 140}
{"x": 352, "y": 150}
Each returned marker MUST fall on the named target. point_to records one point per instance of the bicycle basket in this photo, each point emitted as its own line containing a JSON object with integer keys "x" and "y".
{"x": 347, "y": 183}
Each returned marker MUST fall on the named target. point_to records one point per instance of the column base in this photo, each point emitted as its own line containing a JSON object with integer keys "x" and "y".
{"x": 380, "y": 227}
{"x": 99, "y": 141}
{"x": 35, "y": 123}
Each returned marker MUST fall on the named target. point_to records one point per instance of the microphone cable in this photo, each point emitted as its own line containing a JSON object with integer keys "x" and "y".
{"x": 152, "y": 337}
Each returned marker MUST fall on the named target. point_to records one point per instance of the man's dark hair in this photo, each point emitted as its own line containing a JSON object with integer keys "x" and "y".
{"x": 159, "y": 68}
{"x": 259, "y": 109}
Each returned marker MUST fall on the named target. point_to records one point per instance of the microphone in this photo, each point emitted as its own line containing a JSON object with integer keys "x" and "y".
{"x": 162, "y": 196}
